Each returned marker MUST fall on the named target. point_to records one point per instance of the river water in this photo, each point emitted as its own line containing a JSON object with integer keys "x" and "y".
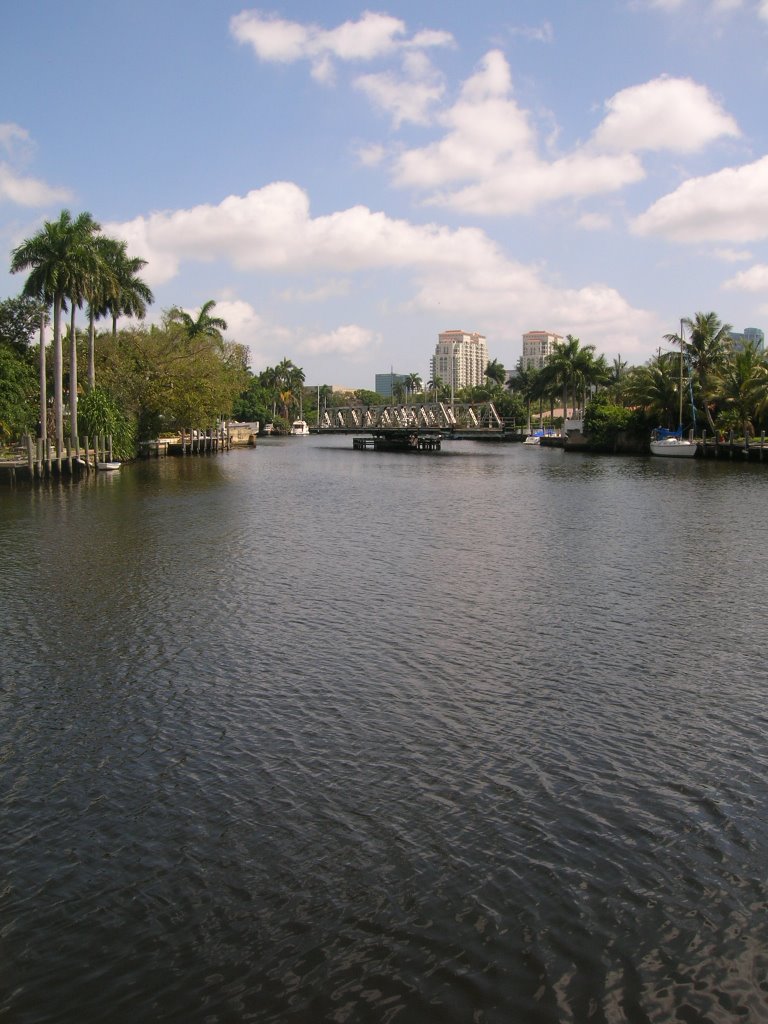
{"x": 302, "y": 734}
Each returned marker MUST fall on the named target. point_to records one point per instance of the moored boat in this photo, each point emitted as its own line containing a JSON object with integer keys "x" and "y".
{"x": 299, "y": 428}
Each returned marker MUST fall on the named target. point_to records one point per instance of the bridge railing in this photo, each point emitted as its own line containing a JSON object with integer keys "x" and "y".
{"x": 427, "y": 416}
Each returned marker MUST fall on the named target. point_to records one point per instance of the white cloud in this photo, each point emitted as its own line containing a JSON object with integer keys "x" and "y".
{"x": 594, "y": 222}
{"x": 762, "y": 10}
{"x": 676, "y": 114}
{"x": 347, "y": 340}
{"x": 372, "y": 35}
{"x": 455, "y": 273}
{"x": 371, "y": 155}
{"x": 409, "y": 97}
{"x": 732, "y": 255}
{"x": 271, "y": 229}
{"x": 28, "y": 191}
{"x": 753, "y": 280}
{"x": 730, "y": 206}
{"x": 488, "y": 160}
{"x": 12, "y": 135}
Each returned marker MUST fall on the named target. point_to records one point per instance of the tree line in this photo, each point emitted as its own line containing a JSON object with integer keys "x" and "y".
{"x": 181, "y": 372}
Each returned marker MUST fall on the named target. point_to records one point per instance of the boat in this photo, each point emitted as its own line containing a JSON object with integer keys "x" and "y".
{"x": 109, "y": 466}
{"x": 671, "y": 443}
{"x": 533, "y": 439}
{"x": 299, "y": 428}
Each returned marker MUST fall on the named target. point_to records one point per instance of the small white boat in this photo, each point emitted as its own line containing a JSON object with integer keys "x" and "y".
{"x": 673, "y": 447}
{"x": 532, "y": 439}
{"x": 299, "y": 428}
{"x": 108, "y": 465}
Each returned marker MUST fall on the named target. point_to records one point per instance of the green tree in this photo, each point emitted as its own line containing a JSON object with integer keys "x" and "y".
{"x": 496, "y": 374}
{"x": 116, "y": 291}
{"x": 707, "y": 350}
{"x": 202, "y": 326}
{"x": 18, "y": 394}
{"x": 58, "y": 259}
{"x": 654, "y": 387}
{"x": 20, "y": 320}
{"x": 99, "y": 414}
{"x": 743, "y": 388}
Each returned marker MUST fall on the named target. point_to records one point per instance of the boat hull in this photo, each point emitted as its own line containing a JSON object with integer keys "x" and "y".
{"x": 673, "y": 448}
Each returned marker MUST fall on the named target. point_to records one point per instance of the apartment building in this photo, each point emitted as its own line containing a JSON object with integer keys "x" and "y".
{"x": 460, "y": 359}
{"x": 537, "y": 345}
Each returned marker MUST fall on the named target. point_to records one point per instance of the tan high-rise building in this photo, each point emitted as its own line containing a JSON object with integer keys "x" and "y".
{"x": 537, "y": 345}
{"x": 460, "y": 359}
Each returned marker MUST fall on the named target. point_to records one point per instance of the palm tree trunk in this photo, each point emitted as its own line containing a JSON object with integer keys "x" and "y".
{"x": 58, "y": 374}
{"x": 43, "y": 382}
{"x": 72, "y": 377}
{"x": 91, "y": 351}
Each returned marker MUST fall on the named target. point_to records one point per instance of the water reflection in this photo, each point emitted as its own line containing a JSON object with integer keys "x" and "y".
{"x": 302, "y": 734}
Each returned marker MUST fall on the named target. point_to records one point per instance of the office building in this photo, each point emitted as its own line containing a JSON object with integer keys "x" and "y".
{"x": 537, "y": 346}
{"x": 460, "y": 359}
{"x": 387, "y": 382}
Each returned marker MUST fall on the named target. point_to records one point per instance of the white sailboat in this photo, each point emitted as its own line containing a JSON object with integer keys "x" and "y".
{"x": 672, "y": 444}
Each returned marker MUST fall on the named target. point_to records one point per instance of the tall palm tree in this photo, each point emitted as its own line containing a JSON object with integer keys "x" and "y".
{"x": 413, "y": 383}
{"x": 707, "y": 351}
{"x": 57, "y": 258}
{"x": 115, "y": 291}
{"x": 204, "y": 326}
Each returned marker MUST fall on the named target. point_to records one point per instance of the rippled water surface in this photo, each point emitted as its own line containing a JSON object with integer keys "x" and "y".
{"x": 302, "y": 734}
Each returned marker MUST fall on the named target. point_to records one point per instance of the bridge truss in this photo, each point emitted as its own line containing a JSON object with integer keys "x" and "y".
{"x": 467, "y": 419}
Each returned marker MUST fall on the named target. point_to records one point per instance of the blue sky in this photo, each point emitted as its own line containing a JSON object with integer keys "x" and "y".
{"x": 348, "y": 181}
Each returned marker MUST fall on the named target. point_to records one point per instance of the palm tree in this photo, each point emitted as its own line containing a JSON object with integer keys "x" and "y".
{"x": 655, "y": 387}
{"x": 205, "y": 326}
{"x": 526, "y": 381}
{"x": 413, "y": 383}
{"x": 743, "y": 387}
{"x": 58, "y": 259}
{"x": 707, "y": 351}
{"x": 436, "y": 384}
{"x": 496, "y": 374}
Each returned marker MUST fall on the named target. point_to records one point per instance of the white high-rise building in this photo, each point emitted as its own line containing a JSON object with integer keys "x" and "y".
{"x": 460, "y": 359}
{"x": 537, "y": 345}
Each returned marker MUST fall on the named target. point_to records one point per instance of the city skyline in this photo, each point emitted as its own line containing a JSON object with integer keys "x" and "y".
{"x": 347, "y": 185}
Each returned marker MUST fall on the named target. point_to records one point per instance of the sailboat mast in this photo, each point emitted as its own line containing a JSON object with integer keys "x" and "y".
{"x": 680, "y": 420}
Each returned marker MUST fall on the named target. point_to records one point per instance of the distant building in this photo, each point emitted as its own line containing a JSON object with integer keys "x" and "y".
{"x": 537, "y": 346}
{"x": 749, "y": 336}
{"x": 460, "y": 359}
{"x": 387, "y": 382}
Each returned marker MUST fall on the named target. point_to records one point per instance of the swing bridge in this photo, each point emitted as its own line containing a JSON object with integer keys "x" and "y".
{"x": 412, "y": 427}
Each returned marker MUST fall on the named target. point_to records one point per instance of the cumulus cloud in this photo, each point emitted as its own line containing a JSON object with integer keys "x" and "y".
{"x": 753, "y": 280}
{"x": 25, "y": 191}
{"x": 272, "y": 229}
{"x": 489, "y": 159}
{"x": 488, "y": 162}
{"x": 347, "y": 340}
{"x": 453, "y": 272}
{"x": 373, "y": 35}
{"x": 730, "y": 206}
{"x": 410, "y": 96}
{"x": 16, "y": 187}
{"x": 676, "y": 114}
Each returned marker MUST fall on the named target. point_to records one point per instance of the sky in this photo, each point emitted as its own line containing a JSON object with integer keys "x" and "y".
{"x": 346, "y": 181}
